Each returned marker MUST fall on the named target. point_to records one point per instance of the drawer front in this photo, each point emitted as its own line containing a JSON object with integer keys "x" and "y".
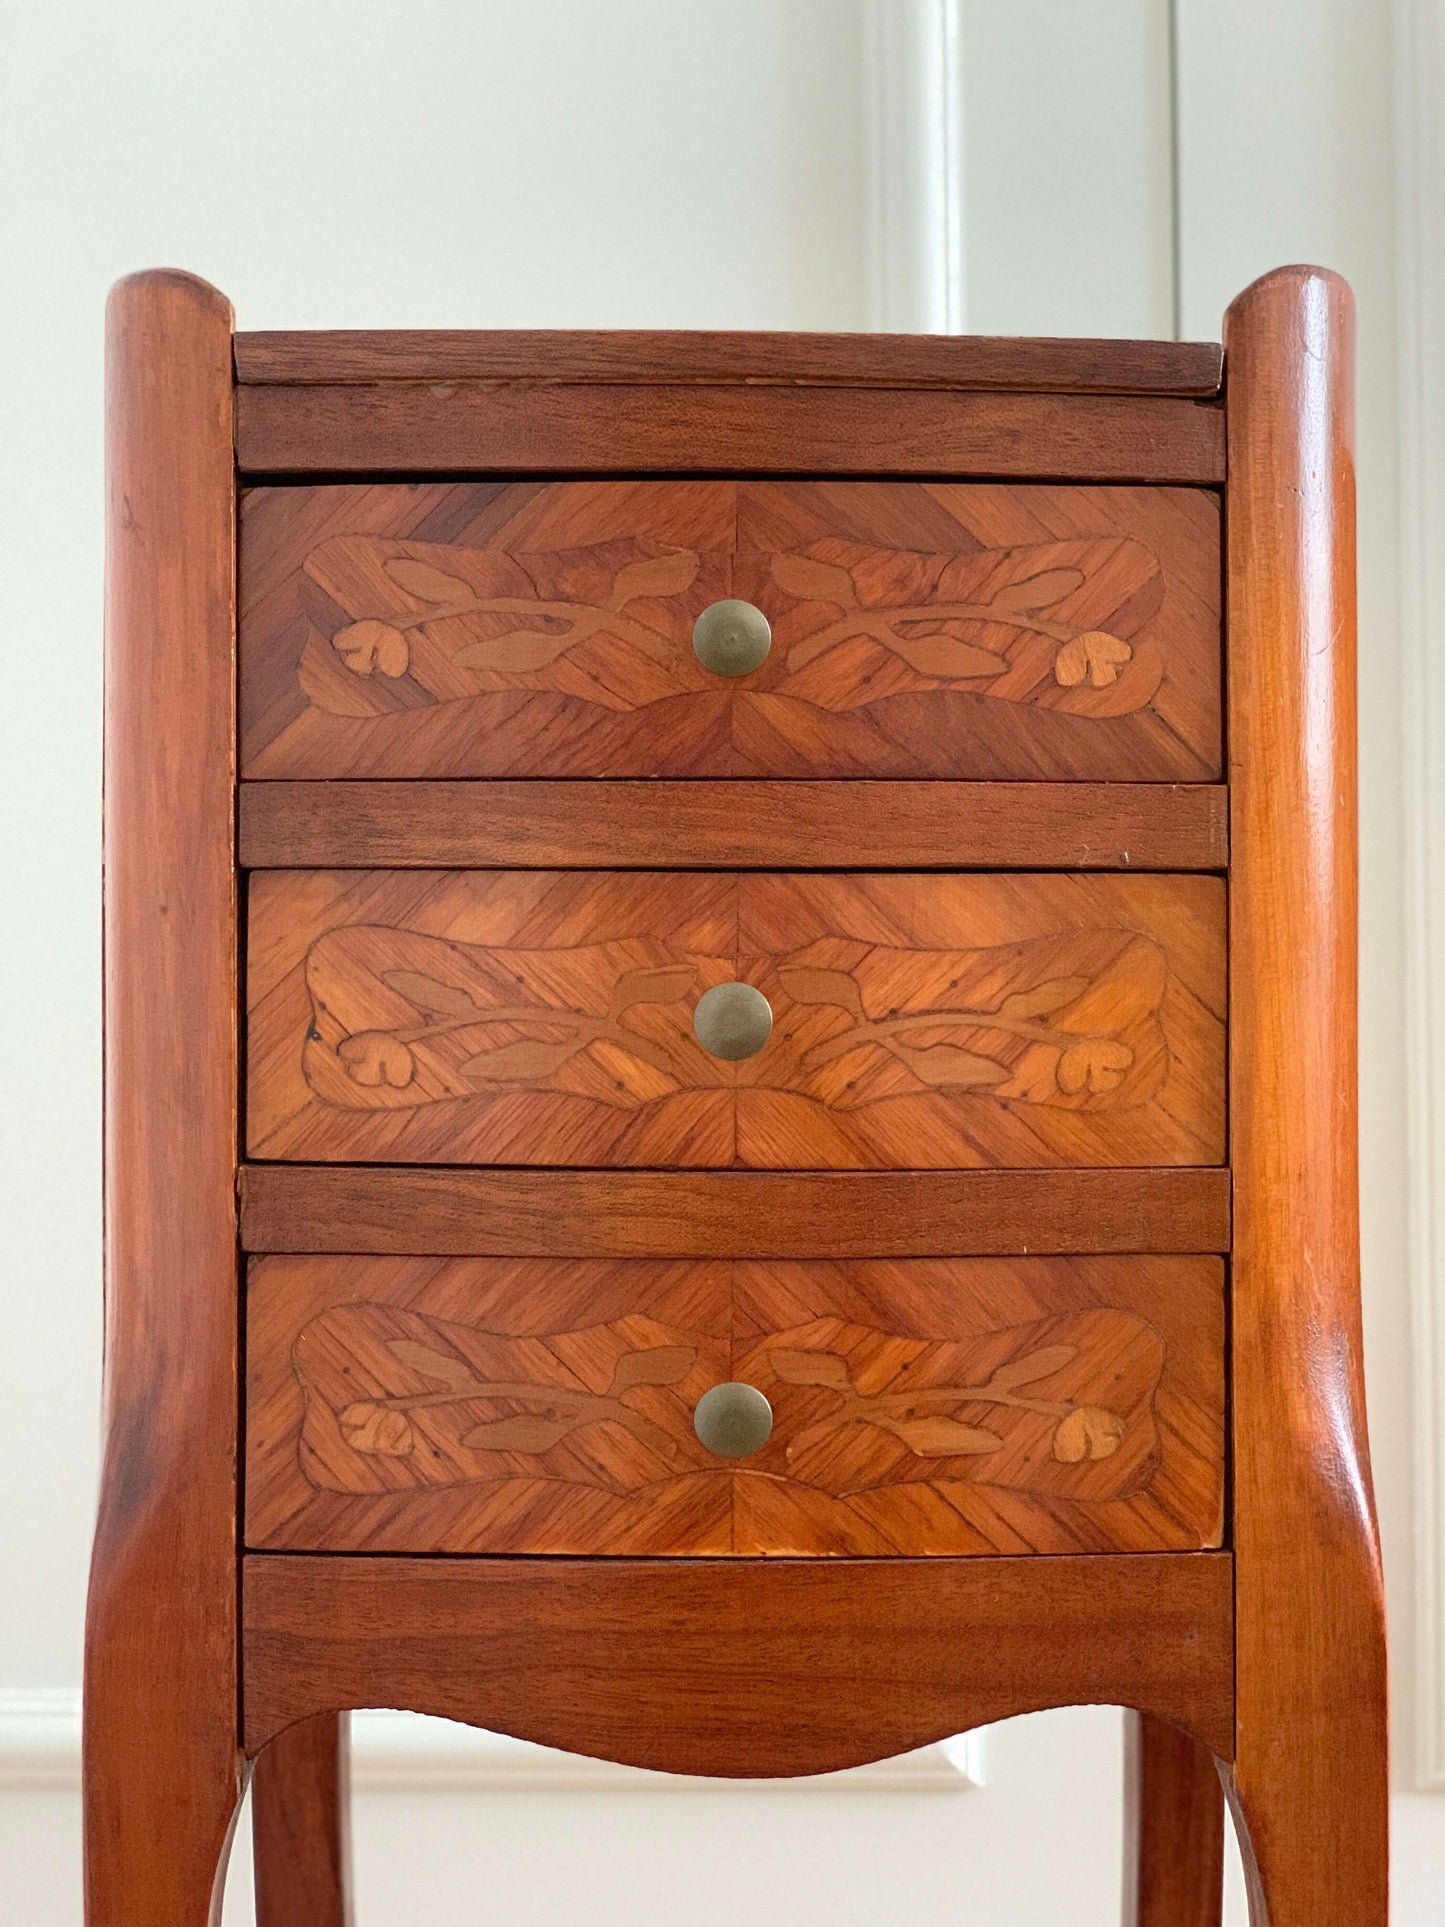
{"x": 921, "y": 1406}
{"x": 546, "y": 629}
{"x": 938, "y": 1021}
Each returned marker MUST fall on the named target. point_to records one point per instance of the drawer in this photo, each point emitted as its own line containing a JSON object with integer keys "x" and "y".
{"x": 920, "y": 1406}
{"x": 912, "y": 629}
{"x": 900, "y": 1021}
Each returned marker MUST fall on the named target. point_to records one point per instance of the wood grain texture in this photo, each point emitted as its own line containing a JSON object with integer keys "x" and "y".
{"x": 730, "y": 1214}
{"x": 418, "y": 428}
{"x": 1173, "y": 1828}
{"x": 545, "y": 629}
{"x": 759, "y": 357}
{"x": 1310, "y": 1784}
{"x": 739, "y": 1668}
{"x": 301, "y": 1825}
{"x": 162, "y": 1771}
{"x": 734, "y": 825}
{"x": 924, "y": 1406}
{"x": 547, "y": 1017}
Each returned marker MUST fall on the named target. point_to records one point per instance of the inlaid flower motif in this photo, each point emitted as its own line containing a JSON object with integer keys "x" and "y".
{"x": 372, "y": 646}
{"x": 1088, "y": 1432}
{"x": 376, "y": 1057}
{"x": 370, "y": 1425}
{"x": 1095, "y": 655}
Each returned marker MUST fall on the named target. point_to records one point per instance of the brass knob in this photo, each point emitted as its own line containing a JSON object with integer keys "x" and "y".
{"x": 731, "y": 638}
{"x": 733, "y": 1420}
{"x": 732, "y": 1021}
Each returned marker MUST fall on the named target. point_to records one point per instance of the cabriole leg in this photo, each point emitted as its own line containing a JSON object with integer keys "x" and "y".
{"x": 300, "y": 1824}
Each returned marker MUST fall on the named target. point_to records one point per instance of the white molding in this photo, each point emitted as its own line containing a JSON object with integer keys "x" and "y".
{"x": 1420, "y": 293}
{"x": 39, "y": 1739}
{"x": 399, "y": 1753}
{"x": 913, "y": 74}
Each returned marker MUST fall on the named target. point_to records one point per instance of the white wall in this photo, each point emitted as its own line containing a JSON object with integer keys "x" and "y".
{"x": 623, "y": 162}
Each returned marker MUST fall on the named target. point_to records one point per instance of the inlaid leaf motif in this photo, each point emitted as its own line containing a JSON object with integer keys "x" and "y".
{"x": 1036, "y": 591}
{"x": 438, "y": 999}
{"x": 1088, "y": 1432}
{"x": 941, "y": 1437}
{"x": 945, "y": 657}
{"x": 811, "y": 1368}
{"x": 442, "y": 1368}
{"x": 529, "y": 1060}
{"x": 661, "y": 1365}
{"x": 814, "y": 581}
{"x": 948, "y": 1066}
{"x": 370, "y": 1427}
{"x": 424, "y": 580}
{"x": 1044, "y": 999}
{"x": 662, "y": 985}
{"x": 525, "y": 1433}
{"x": 658, "y": 575}
{"x": 1028, "y": 1371}
{"x": 516, "y": 652}
{"x": 646, "y": 1049}
{"x": 807, "y": 984}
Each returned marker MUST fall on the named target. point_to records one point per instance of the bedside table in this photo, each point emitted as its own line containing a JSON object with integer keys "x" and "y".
{"x": 730, "y": 1052}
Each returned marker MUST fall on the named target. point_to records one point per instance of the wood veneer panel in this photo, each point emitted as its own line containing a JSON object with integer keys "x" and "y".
{"x": 424, "y": 428}
{"x": 703, "y": 355}
{"x": 736, "y": 825}
{"x": 1312, "y": 1651}
{"x": 546, "y": 1017}
{"x": 994, "y": 631}
{"x": 967, "y": 1406}
{"x": 161, "y": 1765}
{"x": 730, "y": 1214}
{"x": 739, "y": 1667}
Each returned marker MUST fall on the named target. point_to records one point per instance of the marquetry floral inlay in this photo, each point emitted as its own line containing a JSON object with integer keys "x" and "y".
{"x": 401, "y": 625}
{"x": 937, "y": 636}
{"x": 395, "y": 1399}
{"x": 921, "y": 1418}
{"x": 403, "y": 1019}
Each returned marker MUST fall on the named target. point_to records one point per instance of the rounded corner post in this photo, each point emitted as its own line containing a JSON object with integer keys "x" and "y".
{"x": 162, "y": 1766}
{"x": 1310, "y": 1782}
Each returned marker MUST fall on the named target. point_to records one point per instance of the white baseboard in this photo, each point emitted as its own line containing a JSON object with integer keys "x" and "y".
{"x": 39, "y": 1739}
{"x": 400, "y": 1753}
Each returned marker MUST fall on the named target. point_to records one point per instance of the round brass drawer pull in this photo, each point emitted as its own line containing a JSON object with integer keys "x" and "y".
{"x": 731, "y": 638}
{"x": 733, "y": 1420}
{"x": 732, "y": 1021}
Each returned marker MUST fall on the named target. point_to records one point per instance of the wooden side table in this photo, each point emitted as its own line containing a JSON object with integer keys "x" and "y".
{"x": 730, "y": 1115}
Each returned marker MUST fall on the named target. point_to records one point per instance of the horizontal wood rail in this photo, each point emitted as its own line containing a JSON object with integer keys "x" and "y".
{"x": 763, "y": 356}
{"x": 599, "y": 428}
{"x": 729, "y": 1214}
{"x": 734, "y": 825}
{"x": 739, "y": 1668}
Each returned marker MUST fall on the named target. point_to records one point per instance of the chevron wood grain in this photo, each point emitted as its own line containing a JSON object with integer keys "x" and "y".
{"x": 546, "y": 1017}
{"x": 920, "y": 1406}
{"x": 544, "y": 629}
